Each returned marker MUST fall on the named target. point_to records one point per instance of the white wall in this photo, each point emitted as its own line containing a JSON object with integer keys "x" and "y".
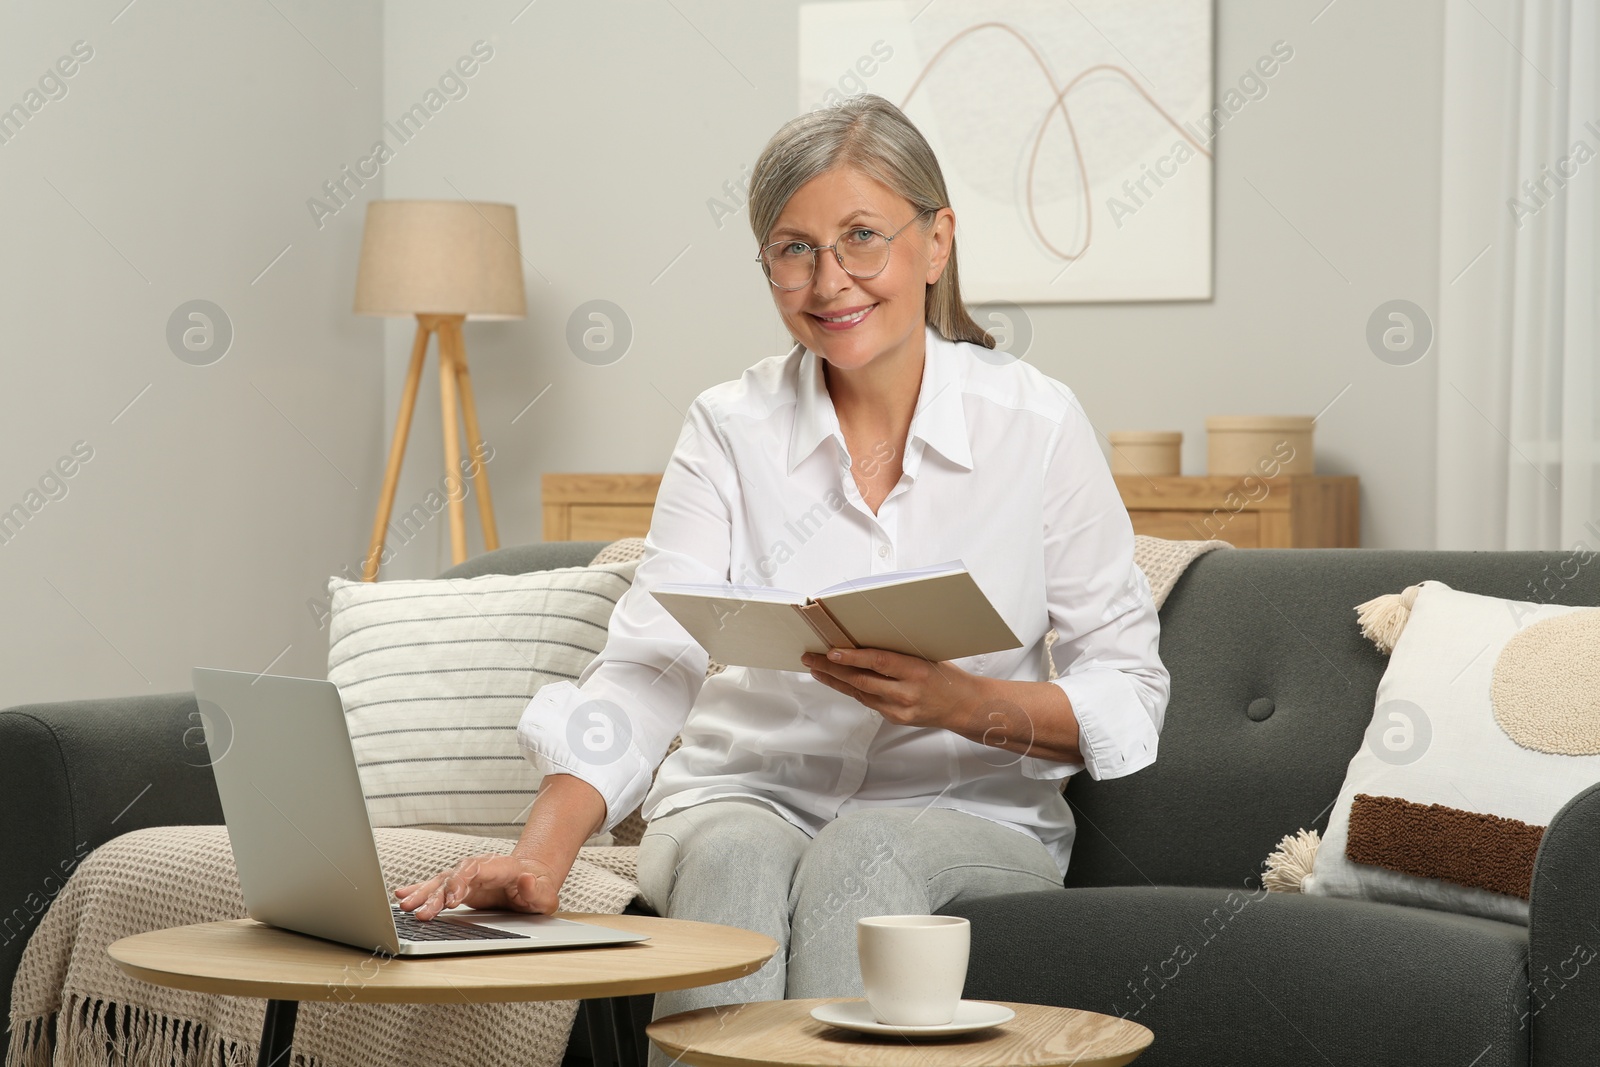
{"x": 610, "y": 126}
{"x": 216, "y": 505}
{"x": 177, "y": 167}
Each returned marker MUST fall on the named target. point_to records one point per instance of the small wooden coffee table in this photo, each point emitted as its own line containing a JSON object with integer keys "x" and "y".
{"x": 782, "y": 1033}
{"x": 244, "y": 958}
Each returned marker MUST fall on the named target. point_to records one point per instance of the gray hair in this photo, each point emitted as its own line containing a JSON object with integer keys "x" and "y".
{"x": 870, "y": 134}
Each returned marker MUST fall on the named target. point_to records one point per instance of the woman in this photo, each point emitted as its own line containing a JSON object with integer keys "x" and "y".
{"x": 870, "y": 782}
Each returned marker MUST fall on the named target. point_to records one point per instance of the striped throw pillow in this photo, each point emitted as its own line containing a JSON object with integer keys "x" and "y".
{"x": 435, "y": 673}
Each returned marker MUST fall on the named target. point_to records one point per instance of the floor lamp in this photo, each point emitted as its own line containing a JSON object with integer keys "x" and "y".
{"x": 442, "y": 261}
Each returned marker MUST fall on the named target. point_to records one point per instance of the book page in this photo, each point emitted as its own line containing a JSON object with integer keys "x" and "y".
{"x": 730, "y": 591}
{"x": 877, "y": 581}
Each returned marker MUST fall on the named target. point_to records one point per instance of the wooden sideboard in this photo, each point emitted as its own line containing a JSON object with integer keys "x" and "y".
{"x": 1247, "y": 511}
{"x": 597, "y": 507}
{"x": 1289, "y": 511}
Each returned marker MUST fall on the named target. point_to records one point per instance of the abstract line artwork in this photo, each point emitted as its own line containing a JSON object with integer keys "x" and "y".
{"x": 1074, "y": 135}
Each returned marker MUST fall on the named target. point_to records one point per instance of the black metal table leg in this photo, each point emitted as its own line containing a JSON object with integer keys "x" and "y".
{"x": 628, "y": 1052}
{"x": 602, "y": 1035}
{"x": 277, "y": 1033}
{"x": 612, "y": 1042}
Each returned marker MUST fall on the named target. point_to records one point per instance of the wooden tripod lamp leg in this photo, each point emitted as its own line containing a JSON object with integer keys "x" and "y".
{"x": 397, "y": 448}
{"x": 469, "y": 411}
{"x": 452, "y": 438}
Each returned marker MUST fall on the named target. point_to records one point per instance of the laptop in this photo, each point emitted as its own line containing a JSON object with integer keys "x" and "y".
{"x": 286, "y": 774}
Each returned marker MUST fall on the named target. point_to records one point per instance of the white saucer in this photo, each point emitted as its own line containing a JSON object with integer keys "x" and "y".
{"x": 857, "y": 1015}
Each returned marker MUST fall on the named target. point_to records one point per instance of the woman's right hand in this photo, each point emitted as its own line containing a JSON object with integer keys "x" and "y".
{"x": 565, "y": 813}
{"x": 485, "y": 881}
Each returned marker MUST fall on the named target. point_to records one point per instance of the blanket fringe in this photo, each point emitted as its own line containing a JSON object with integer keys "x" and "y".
{"x": 97, "y": 1031}
{"x": 30, "y": 1042}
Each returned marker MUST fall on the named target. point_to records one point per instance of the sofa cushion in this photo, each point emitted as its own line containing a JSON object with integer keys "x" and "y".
{"x": 1241, "y": 977}
{"x": 435, "y": 673}
{"x": 1463, "y": 765}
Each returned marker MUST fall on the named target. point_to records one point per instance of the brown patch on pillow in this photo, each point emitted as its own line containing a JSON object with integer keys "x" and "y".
{"x": 1436, "y": 841}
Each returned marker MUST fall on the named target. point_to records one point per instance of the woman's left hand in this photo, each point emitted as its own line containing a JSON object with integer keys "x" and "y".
{"x": 906, "y": 690}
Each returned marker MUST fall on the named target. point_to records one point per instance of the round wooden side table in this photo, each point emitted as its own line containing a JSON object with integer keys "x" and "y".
{"x": 782, "y": 1033}
{"x": 245, "y": 958}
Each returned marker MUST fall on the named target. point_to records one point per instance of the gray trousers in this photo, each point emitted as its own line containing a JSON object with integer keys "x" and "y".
{"x": 735, "y": 861}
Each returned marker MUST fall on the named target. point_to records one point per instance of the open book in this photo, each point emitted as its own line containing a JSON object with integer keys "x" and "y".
{"x": 935, "y": 612}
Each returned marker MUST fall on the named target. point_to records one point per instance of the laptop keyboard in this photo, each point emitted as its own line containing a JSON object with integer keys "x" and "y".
{"x": 411, "y": 928}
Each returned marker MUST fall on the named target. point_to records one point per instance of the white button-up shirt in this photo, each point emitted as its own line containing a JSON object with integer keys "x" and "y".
{"x": 1001, "y": 471}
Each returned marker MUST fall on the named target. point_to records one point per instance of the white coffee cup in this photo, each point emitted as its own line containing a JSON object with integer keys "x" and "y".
{"x": 913, "y": 967}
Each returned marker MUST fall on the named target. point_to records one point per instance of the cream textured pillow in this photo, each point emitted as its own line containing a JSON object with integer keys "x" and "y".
{"x": 1487, "y": 721}
{"x": 435, "y": 673}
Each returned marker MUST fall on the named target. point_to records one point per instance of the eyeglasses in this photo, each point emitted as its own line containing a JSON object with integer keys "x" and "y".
{"x": 861, "y": 251}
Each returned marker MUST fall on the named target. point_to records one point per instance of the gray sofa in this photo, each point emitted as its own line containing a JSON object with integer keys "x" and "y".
{"x": 1272, "y": 689}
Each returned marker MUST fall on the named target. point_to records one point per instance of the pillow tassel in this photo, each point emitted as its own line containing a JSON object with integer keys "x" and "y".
{"x": 1291, "y": 864}
{"x": 1382, "y": 618}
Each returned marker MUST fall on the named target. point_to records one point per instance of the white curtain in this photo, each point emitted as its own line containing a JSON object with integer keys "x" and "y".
{"x": 1519, "y": 396}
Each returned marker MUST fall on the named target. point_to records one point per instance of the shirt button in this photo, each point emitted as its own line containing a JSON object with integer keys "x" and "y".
{"x": 883, "y": 551}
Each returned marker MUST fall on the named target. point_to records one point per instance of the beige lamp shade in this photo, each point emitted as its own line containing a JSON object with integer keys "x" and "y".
{"x": 440, "y": 257}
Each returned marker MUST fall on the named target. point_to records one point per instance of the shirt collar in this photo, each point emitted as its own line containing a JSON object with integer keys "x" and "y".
{"x": 939, "y": 419}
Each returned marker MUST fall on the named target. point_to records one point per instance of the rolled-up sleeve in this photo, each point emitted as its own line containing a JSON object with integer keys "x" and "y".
{"x": 612, "y": 728}
{"x": 1108, "y": 632}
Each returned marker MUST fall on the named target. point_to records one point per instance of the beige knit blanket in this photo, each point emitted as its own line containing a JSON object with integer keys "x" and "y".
{"x": 171, "y": 876}
{"x": 1164, "y": 562}
{"x": 175, "y": 875}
